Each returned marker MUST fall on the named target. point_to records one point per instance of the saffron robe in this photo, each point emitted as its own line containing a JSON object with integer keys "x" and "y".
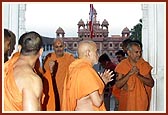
{"x": 62, "y": 67}
{"x": 13, "y": 59}
{"x": 8, "y": 71}
{"x": 116, "y": 92}
{"x": 137, "y": 96}
{"x": 81, "y": 81}
{"x": 12, "y": 95}
{"x": 10, "y": 62}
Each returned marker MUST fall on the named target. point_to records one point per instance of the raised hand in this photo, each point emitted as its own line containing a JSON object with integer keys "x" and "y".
{"x": 107, "y": 76}
{"x": 134, "y": 70}
{"x": 51, "y": 66}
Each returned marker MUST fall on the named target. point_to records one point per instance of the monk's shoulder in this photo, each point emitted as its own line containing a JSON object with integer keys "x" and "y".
{"x": 123, "y": 62}
{"x": 85, "y": 69}
{"x": 33, "y": 82}
{"x": 143, "y": 63}
{"x": 122, "y": 65}
{"x": 68, "y": 55}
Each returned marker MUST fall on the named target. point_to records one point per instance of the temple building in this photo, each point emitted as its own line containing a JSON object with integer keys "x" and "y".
{"x": 104, "y": 43}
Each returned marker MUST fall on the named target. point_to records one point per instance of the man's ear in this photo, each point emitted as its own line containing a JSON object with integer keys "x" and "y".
{"x": 128, "y": 52}
{"x": 19, "y": 48}
{"x": 41, "y": 51}
{"x": 87, "y": 53}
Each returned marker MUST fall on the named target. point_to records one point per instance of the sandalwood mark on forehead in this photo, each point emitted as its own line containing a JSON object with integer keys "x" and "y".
{"x": 58, "y": 43}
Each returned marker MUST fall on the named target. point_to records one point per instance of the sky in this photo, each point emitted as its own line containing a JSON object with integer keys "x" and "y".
{"x": 46, "y": 18}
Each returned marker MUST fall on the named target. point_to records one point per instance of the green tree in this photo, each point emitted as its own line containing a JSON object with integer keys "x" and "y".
{"x": 136, "y": 32}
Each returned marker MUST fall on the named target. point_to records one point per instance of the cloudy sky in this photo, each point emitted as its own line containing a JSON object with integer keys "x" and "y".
{"x": 46, "y": 18}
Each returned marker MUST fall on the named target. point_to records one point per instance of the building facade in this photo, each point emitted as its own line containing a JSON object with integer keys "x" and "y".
{"x": 104, "y": 43}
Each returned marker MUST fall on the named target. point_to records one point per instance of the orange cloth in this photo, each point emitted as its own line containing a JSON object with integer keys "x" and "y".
{"x": 15, "y": 57}
{"x": 9, "y": 62}
{"x": 12, "y": 95}
{"x": 116, "y": 91}
{"x": 8, "y": 71}
{"x": 137, "y": 97}
{"x": 49, "y": 99}
{"x": 63, "y": 64}
{"x": 37, "y": 68}
{"x": 81, "y": 81}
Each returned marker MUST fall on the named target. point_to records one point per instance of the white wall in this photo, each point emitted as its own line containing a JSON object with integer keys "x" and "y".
{"x": 154, "y": 44}
{"x": 10, "y": 17}
{"x": 14, "y": 18}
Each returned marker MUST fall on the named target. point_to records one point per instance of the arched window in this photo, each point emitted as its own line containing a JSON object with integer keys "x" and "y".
{"x": 51, "y": 47}
{"x": 111, "y": 45}
{"x": 75, "y": 45}
{"x": 47, "y": 48}
{"x": 44, "y": 49}
{"x": 111, "y": 54}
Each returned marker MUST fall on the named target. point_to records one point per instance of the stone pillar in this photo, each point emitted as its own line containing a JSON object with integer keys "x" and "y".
{"x": 154, "y": 43}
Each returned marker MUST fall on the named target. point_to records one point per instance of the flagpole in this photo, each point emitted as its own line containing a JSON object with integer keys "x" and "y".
{"x": 91, "y": 21}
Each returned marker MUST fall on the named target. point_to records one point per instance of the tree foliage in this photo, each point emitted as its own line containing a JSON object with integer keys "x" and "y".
{"x": 136, "y": 32}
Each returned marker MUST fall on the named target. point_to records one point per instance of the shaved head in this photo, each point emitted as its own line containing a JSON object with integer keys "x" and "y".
{"x": 60, "y": 40}
{"x": 87, "y": 50}
{"x": 84, "y": 46}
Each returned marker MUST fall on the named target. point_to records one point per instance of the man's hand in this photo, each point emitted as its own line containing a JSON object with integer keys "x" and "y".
{"x": 106, "y": 76}
{"x": 51, "y": 66}
{"x": 134, "y": 70}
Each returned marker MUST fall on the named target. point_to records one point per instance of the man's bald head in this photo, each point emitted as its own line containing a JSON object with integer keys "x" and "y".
{"x": 87, "y": 50}
{"x": 60, "y": 40}
{"x": 85, "y": 46}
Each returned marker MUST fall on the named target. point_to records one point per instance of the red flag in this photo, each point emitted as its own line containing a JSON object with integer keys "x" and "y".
{"x": 91, "y": 20}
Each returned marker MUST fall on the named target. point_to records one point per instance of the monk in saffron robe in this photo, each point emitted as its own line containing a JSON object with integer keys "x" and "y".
{"x": 22, "y": 86}
{"x": 83, "y": 87}
{"x": 14, "y": 58}
{"x": 55, "y": 68}
{"x": 120, "y": 55}
{"x": 16, "y": 55}
{"x": 135, "y": 80}
{"x": 16, "y": 93}
{"x": 10, "y": 62}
